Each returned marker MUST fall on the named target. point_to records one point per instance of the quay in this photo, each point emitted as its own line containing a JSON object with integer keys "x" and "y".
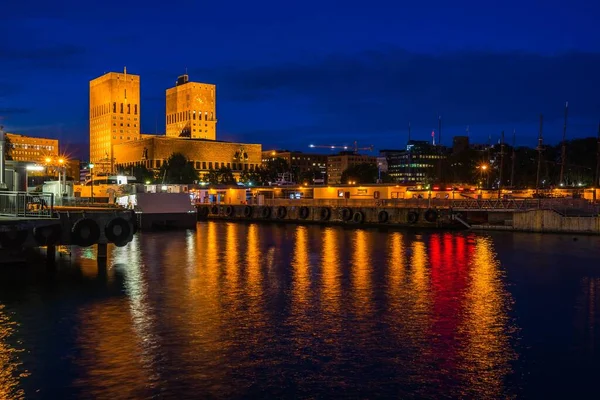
{"x": 525, "y": 215}
{"x": 32, "y": 220}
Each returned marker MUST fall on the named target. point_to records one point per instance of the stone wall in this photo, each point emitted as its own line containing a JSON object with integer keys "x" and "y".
{"x": 551, "y": 221}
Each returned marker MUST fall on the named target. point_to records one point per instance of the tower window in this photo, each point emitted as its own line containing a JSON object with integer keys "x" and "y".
{"x": 128, "y": 108}
{"x": 121, "y": 108}
{"x": 194, "y": 115}
{"x": 200, "y": 115}
{"x": 114, "y": 107}
{"x": 135, "y": 109}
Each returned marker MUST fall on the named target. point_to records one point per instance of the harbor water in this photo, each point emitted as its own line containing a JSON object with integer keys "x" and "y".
{"x": 243, "y": 310}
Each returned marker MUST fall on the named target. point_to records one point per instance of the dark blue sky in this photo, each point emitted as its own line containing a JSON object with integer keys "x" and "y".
{"x": 293, "y": 73}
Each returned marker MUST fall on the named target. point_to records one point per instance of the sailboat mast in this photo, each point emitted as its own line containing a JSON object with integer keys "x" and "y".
{"x": 539, "y": 149}
{"x": 407, "y": 178}
{"x": 563, "y": 152}
{"x": 513, "y": 159}
{"x": 597, "y": 180}
{"x": 501, "y": 165}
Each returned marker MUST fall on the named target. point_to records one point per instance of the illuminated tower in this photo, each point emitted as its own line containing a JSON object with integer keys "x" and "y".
{"x": 191, "y": 110}
{"x": 114, "y": 113}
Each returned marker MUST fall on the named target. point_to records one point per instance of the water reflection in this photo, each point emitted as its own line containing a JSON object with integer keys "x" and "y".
{"x": 11, "y": 369}
{"x": 233, "y": 310}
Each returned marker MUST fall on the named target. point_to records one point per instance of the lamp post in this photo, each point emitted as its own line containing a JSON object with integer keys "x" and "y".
{"x": 92, "y": 180}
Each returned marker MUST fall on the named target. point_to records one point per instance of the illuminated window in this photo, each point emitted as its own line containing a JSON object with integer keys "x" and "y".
{"x": 200, "y": 115}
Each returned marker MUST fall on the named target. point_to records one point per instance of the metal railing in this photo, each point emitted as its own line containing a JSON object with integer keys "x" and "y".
{"x": 563, "y": 206}
{"x": 26, "y": 205}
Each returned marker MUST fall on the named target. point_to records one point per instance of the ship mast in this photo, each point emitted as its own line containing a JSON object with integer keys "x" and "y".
{"x": 513, "y": 159}
{"x": 563, "y": 153}
{"x": 501, "y": 165}
{"x": 539, "y": 149}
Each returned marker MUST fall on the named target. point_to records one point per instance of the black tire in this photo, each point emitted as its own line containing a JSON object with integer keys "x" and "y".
{"x": 47, "y": 235}
{"x": 325, "y": 214}
{"x": 431, "y": 215}
{"x": 281, "y": 212}
{"x": 229, "y": 211}
{"x": 214, "y": 210}
{"x": 248, "y": 211}
{"x": 266, "y": 212}
{"x": 13, "y": 239}
{"x": 118, "y": 231}
{"x": 383, "y": 217}
{"x": 203, "y": 211}
{"x": 358, "y": 217}
{"x": 85, "y": 232}
{"x": 412, "y": 217}
{"x": 346, "y": 214}
{"x": 304, "y": 212}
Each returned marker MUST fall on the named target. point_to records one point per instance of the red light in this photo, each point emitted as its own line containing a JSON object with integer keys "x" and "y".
{"x": 449, "y": 188}
{"x": 461, "y": 189}
{"x": 436, "y": 188}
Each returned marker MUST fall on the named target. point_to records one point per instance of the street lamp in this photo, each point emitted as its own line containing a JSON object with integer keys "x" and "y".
{"x": 92, "y": 180}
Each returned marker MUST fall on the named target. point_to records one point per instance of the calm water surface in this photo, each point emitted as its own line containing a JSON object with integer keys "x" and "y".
{"x": 271, "y": 311}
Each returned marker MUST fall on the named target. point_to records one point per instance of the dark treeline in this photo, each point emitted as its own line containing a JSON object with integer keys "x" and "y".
{"x": 581, "y": 163}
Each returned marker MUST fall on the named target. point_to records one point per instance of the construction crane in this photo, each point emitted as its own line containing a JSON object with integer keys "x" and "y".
{"x": 355, "y": 148}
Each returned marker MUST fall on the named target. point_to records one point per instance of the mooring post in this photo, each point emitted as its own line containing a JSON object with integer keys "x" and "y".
{"x": 101, "y": 253}
{"x": 50, "y": 255}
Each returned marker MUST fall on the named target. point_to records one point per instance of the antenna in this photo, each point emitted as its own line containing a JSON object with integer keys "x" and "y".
{"x": 513, "y": 159}
{"x": 467, "y": 130}
{"x": 563, "y": 152}
{"x": 539, "y": 149}
{"x": 409, "y": 131}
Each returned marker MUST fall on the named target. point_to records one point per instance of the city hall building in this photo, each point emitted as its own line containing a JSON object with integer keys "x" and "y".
{"x": 190, "y": 126}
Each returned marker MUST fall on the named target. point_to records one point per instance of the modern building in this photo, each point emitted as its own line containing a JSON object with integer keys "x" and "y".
{"x": 205, "y": 155}
{"x": 32, "y": 149}
{"x": 460, "y": 144}
{"x": 115, "y": 114}
{"x": 191, "y": 110}
{"x": 300, "y": 162}
{"x": 417, "y": 163}
{"x": 337, "y": 164}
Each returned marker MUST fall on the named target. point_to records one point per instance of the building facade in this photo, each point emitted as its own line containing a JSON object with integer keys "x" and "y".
{"x": 205, "y": 155}
{"x": 418, "y": 163}
{"x": 300, "y": 163}
{"x": 337, "y": 164}
{"x": 191, "y": 110}
{"x": 32, "y": 149}
{"x": 115, "y": 113}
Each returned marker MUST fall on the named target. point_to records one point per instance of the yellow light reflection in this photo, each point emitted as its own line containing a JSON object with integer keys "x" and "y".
{"x": 330, "y": 264}
{"x": 395, "y": 262}
{"x": 300, "y": 265}
{"x": 420, "y": 277}
{"x": 361, "y": 271}
{"x": 488, "y": 353}
{"x": 10, "y": 365}
{"x": 253, "y": 258}
{"x": 232, "y": 260}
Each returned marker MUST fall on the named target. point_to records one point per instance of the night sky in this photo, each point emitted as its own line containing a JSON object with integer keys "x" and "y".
{"x": 293, "y": 73}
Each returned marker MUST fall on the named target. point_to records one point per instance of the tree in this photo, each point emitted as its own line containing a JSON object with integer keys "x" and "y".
{"x": 177, "y": 169}
{"x": 141, "y": 173}
{"x": 361, "y": 173}
{"x": 7, "y": 148}
{"x": 253, "y": 177}
{"x": 222, "y": 176}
